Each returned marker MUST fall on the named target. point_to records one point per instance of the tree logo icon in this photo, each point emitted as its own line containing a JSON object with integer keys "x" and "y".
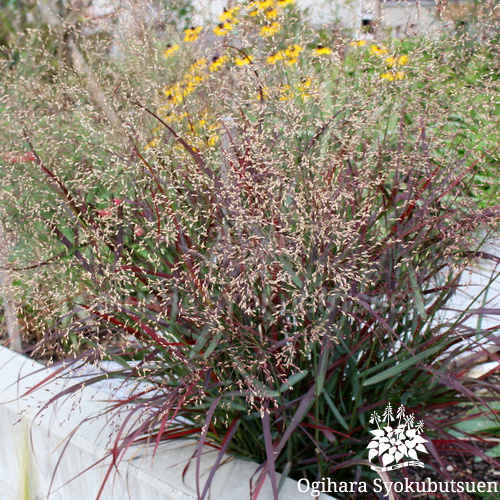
{"x": 396, "y": 439}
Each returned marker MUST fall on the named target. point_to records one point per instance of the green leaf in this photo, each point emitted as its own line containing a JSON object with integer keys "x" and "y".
{"x": 213, "y": 345}
{"x": 478, "y": 425}
{"x": 335, "y": 411}
{"x": 493, "y": 452}
{"x": 398, "y": 368}
{"x": 419, "y": 298}
{"x": 292, "y": 380}
{"x": 321, "y": 372}
{"x": 288, "y": 268}
{"x": 202, "y": 340}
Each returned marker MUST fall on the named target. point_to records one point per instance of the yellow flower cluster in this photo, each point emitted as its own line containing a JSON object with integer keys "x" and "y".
{"x": 285, "y": 92}
{"x": 223, "y": 29}
{"x": 393, "y": 75}
{"x": 378, "y": 51}
{"x": 271, "y": 29}
{"x": 267, "y": 9}
{"x": 217, "y": 63}
{"x": 290, "y": 55}
{"x": 269, "y": 23}
{"x": 259, "y": 6}
{"x": 177, "y": 92}
{"x": 397, "y": 61}
{"x": 304, "y": 88}
{"x": 201, "y": 132}
{"x": 169, "y": 116}
{"x": 229, "y": 14}
{"x": 271, "y": 13}
{"x": 170, "y": 49}
{"x": 358, "y": 43}
{"x": 192, "y": 34}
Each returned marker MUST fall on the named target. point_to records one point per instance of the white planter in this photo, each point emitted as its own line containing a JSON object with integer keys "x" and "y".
{"x": 31, "y": 448}
{"x": 479, "y": 295}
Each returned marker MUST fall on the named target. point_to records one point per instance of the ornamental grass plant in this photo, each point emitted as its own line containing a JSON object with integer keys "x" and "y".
{"x": 263, "y": 224}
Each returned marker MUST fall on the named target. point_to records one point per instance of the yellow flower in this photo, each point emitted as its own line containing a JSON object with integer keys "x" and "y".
{"x": 403, "y": 60}
{"x": 263, "y": 93}
{"x": 255, "y": 8}
{"x": 229, "y": 14}
{"x": 397, "y": 61}
{"x": 378, "y": 51}
{"x": 391, "y": 75}
{"x": 196, "y": 67}
{"x": 243, "y": 61}
{"x": 293, "y": 50}
{"x": 185, "y": 90}
{"x": 217, "y": 63}
{"x": 193, "y": 79}
{"x": 212, "y": 139}
{"x": 151, "y": 144}
{"x": 305, "y": 83}
{"x": 192, "y": 34}
{"x": 175, "y": 93}
{"x": 271, "y": 30}
{"x": 171, "y": 92}
{"x": 223, "y": 29}
{"x": 168, "y": 115}
{"x": 289, "y": 55}
{"x": 170, "y": 50}
{"x": 358, "y": 43}
{"x": 271, "y": 13}
{"x": 322, "y": 51}
{"x": 167, "y": 91}
{"x": 285, "y": 94}
{"x": 278, "y": 56}
{"x": 284, "y": 3}
{"x": 292, "y": 53}
{"x": 304, "y": 94}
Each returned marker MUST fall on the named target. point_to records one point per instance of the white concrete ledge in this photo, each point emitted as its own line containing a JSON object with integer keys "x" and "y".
{"x": 65, "y": 440}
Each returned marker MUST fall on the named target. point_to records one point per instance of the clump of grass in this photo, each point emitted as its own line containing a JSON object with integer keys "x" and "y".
{"x": 269, "y": 238}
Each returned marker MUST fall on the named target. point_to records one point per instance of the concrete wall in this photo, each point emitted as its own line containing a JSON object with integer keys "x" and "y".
{"x": 49, "y": 453}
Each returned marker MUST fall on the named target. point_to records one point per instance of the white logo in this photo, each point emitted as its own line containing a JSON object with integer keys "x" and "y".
{"x": 393, "y": 444}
